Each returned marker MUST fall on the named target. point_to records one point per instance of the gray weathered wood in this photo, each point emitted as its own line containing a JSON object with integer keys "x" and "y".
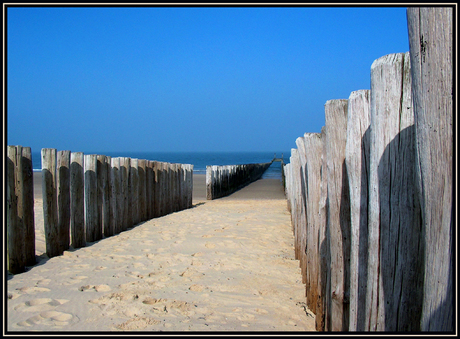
{"x": 156, "y": 189}
{"x": 148, "y": 190}
{"x": 322, "y": 320}
{"x": 313, "y": 152}
{"x": 431, "y": 53}
{"x": 357, "y": 161}
{"x": 107, "y": 202}
{"x": 339, "y": 212}
{"x": 101, "y": 176}
{"x": 91, "y": 215}
{"x": 135, "y": 190}
{"x": 63, "y": 198}
{"x": 116, "y": 196}
{"x": 124, "y": 177}
{"x": 15, "y": 229}
{"x": 50, "y": 215}
{"x": 141, "y": 166}
{"x": 302, "y": 218}
{"x": 77, "y": 200}
{"x": 395, "y": 272}
{"x": 28, "y": 204}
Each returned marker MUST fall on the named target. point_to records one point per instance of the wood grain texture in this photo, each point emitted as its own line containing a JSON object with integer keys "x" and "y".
{"x": 339, "y": 212}
{"x": 357, "y": 162}
{"x": 77, "y": 200}
{"x": 431, "y": 53}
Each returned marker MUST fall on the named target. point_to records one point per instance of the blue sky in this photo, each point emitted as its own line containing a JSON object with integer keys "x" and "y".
{"x": 186, "y": 79}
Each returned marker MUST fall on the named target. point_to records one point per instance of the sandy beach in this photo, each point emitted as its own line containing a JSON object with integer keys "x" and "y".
{"x": 223, "y": 265}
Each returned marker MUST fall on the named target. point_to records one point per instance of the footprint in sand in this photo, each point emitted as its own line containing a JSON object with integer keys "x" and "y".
{"x": 33, "y": 290}
{"x": 75, "y": 280}
{"x": 49, "y": 318}
{"x": 97, "y": 288}
{"x": 39, "y": 305}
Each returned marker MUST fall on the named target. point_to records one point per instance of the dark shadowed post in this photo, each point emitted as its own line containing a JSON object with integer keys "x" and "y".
{"x": 77, "y": 200}
{"x": 63, "y": 198}
{"x": 90, "y": 196}
{"x": 50, "y": 214}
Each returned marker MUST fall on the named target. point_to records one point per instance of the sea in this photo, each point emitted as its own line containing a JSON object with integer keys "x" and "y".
{"x": 199, "y": 160}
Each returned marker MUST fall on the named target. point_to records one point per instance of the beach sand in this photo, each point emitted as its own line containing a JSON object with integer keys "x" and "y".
{"x": 223, "y": 265}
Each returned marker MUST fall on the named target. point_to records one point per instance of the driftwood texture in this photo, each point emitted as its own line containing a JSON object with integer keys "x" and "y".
{"x": 302, "y": 217}
{"x": 394, "y": 275}
{"x": 339, "y": 213}
{"x": 77, "y": 200}
{"x": 357, "y": 162}
{"x": 313, "y": 152}
{"x": 50, "y": 214}
{"x": 431, "y": 40}
{"x": 63, "y": 198}
{"x": 91, "y": 211}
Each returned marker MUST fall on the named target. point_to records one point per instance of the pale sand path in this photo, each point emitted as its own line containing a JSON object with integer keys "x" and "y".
{"x": 224, "y": 265}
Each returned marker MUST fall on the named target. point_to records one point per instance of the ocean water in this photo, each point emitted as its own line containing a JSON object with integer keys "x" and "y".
{"x": 199, "y": 160}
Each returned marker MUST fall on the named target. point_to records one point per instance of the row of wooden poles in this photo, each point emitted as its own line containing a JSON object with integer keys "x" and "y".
{"x": 371, "y": 196}
{"x": 224, "y": 180}
{"x": 87, "y": 197}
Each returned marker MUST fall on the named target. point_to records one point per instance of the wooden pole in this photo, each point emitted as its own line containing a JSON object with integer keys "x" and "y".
{"x": 77, "y": 200}
{"x": 141, "y": 167}
{"x": 15, "y": 229}
{"x": 357, "y": 162}
{"x": 28, "y": 203}
{"x": 63, "y": 198}
{"x": 156, "y": 189}
{"x": 116, "y": 196}
{"x": 339, "y": 212}
{"x": 135, "y": 190}
{"x": 395, "y": 270}
{"x": 302, "y": 221}
{"x": 107, "y": 204}
{"x": 50, "y": 215}
{"x": 101, "y": 176}
{"x": 313, "y": 152}
{"x": 91, "y": 197}
{"x": 431, "y": 52}
{"x": 322, "y": 319}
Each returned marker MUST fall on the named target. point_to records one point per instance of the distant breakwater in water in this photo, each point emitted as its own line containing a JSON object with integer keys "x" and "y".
{"x": 199, "y": 159}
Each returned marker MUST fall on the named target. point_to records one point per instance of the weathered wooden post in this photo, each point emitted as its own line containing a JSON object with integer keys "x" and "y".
{"x": 124, "y": 177}
{"x": 15, "y": 229}
{"x": 134, "y": 173}
{"x": 91, "y": 197}
{"x": 302, "y": 221}
{"x": 152, "y": 188}
{"x": 101, "y": 176}
{"x": 313, "y": 152}
{"x": 28, "y": 204}
{"x": 296, "y": 201}
{"x": 322, "y": 321}
{"x": 357, "y": 161}
{"x": 116, "y": 196}
{"x": 431, "y": 53}
{"x": 63, "y": 198}
{"x": 395, "y": 269}
{"x": 339, "y": 212}
{"x": 107, "y": 204}
{"x": 209, "y": 182}
{"x": 156, "y": 189}
{"x": 148, "y": 189}
{"x": 142, "y": 190}
{"x": 50, "y": 214}
{"x": 77, "y": 200}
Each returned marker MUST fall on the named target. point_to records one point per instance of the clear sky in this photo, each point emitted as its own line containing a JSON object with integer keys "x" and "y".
{"x": 186, "y": 79}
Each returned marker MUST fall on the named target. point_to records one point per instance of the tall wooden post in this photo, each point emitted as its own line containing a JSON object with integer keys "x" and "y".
{"x": 63, "y": 198}
{"x": 101, "y": 187}
{"x": 107, "y": 201}
{"x": 50, "y": 214}
{"x": 134, "y": 174}
{"x": 77, "y": 200}
{"x": 141, "y": 165}
{"x": 116, "y": 196}
{"x": 91, "y": 214}
{"x": 15, "y": 229}
{"x": 357, "y": 161}
{"x": 28, "y": 204}
{"x": 339, "y": 212}
{"x": 431, "y": 53}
